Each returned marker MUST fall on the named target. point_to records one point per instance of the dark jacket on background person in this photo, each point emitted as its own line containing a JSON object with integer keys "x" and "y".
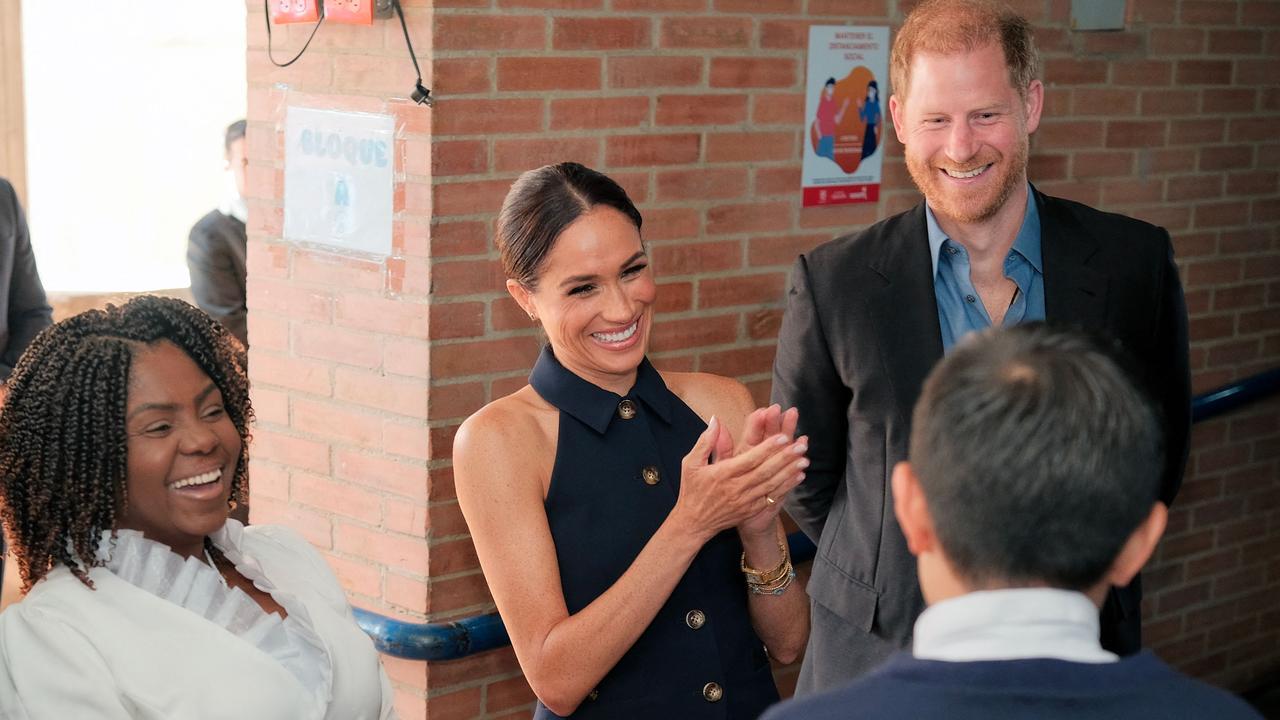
{"x": 24, "y": 310}
{"x": 216, "y": 253}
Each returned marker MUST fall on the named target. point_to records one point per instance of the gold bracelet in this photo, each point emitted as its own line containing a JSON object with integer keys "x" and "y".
{"x": 767, "y": 577}
{"x": 766, "y": 582}
{"x": 776, "y": 588}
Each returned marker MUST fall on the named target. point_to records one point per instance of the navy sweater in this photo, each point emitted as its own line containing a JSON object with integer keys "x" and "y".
{"x": 1140, "y": 686}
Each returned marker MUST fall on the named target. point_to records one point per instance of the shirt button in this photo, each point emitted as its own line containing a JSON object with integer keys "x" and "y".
{"x": 970, "y": 298}
{"x": 626, "y": 409}
{"x": 593, "y": 695}
{"x": 650, "y": 475}
{"x": 712, "y": 692}
{"x": 695, "y": 619}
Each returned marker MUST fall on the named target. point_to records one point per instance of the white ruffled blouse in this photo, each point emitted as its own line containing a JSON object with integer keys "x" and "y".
{"x": 162, "y": 637}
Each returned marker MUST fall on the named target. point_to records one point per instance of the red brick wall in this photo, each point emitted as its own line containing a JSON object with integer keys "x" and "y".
{"x": 696, "y": 107}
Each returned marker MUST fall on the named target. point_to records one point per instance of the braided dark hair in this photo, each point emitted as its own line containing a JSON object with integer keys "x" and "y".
{"x": 62, "y": 427}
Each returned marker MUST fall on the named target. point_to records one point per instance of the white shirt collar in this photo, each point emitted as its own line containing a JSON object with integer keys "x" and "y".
{"x": 232, "y": 204}
{"x": 1010, "y": 625}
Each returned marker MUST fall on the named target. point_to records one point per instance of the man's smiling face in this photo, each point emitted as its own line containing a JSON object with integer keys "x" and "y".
{"x": 966, "y": 131}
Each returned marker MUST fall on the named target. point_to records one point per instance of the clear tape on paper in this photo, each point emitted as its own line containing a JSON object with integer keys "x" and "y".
{"x": 339, "y": 179}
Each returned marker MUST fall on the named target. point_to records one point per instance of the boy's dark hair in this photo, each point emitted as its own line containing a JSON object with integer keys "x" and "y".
{"x": 1037, "y": 456}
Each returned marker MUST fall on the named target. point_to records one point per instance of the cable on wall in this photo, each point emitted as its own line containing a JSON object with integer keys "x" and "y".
{"x": 421, "y": 93}
{"x": 266, "y": 14}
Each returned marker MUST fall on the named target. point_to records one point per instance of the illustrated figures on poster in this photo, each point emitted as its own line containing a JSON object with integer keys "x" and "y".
{"x": 869, "y": 113}
{"x": 824, "y": 125}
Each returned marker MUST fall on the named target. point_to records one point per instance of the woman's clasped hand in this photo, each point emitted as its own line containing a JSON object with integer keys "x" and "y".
{"x": 741, "y": 489}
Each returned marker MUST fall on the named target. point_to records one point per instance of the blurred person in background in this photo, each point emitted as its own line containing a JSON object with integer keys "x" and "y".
{"x": 217, "y": 245}
{"x": 24, "y": 310}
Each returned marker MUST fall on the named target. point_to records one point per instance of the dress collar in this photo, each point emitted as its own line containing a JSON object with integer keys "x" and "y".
{"x": 590, "y": 403}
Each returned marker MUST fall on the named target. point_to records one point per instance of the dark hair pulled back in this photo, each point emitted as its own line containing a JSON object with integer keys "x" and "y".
{"x": 541, "y": 204}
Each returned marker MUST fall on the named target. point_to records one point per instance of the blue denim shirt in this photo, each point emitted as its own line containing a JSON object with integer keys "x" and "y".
{"x": 960, "y": 310}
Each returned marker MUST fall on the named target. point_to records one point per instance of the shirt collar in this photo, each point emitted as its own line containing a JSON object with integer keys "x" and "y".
{"x": 232, "y": 204}
{"x": 1027, "y": 243}
{"x": 591, "y": 404}
{"x": 1011, "y": 624}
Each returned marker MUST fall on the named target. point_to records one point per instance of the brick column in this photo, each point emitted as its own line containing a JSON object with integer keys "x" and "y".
{"x": 339, "y": 345}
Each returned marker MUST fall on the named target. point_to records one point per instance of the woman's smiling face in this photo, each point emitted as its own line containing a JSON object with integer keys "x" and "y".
{"x": 182, "y": 450}
{"x": 594, "y": 297}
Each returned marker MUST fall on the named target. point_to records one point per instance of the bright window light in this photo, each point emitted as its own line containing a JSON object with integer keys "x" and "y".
{"x": 126, "y": 104}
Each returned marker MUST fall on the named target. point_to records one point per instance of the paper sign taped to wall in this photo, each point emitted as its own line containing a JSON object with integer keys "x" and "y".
{"x": 846, "y": 105}
{"x": 338, "y": 179}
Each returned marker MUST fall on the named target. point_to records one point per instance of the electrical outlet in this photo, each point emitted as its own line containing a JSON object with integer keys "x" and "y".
{"x": 294, "y": 11}
{"x": 351, "y": 12}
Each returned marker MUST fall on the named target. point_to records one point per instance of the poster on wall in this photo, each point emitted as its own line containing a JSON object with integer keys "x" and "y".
{"x": 337, "y": 180}
{"x": 846, "y": 107}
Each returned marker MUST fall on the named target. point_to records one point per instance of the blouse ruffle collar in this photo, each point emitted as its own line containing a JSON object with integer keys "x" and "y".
{"x": 192, "y": 584}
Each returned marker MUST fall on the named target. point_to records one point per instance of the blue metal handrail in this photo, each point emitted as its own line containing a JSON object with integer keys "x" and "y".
{"x": 460, "y": 638}
{"x": 1237, "y": 394}
{"x": 433, "y": 641}
{"x": 457, "y": 639}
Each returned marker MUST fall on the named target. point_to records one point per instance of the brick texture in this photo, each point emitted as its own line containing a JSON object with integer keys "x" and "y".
{"x": 341, "y": 445}
{"x": 364, "y": 370}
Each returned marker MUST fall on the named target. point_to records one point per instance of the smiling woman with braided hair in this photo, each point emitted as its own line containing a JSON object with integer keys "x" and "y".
{"x": 123, "y": 443}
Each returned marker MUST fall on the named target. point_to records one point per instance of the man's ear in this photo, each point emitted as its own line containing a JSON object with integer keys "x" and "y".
{"x": 1033, "y": 104}
{"x": 898, "y": 111}
{"x": 1139, "y": 547}
{"x": 523, "y": 298}
{"x": 912, "y": 511}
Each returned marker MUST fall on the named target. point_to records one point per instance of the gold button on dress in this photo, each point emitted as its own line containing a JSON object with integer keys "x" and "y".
{"x": 695, "y": 619}
{"x": 626, "y": 409}
{"x": 650, "y": 475}
{"x": 712, "y": 692}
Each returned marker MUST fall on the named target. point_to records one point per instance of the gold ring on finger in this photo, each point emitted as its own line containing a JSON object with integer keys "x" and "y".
{"x": 769, "y": 500}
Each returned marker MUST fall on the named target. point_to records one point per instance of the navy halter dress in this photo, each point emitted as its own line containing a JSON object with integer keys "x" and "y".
{"x": 615, "y": 480}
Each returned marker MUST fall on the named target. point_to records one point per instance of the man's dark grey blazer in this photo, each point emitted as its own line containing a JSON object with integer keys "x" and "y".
{"x": 24, "y": 310}
{"x": 860, "y": 335}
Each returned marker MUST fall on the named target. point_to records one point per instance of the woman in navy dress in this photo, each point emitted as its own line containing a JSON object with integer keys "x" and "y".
{"x": 626, "y": 520}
